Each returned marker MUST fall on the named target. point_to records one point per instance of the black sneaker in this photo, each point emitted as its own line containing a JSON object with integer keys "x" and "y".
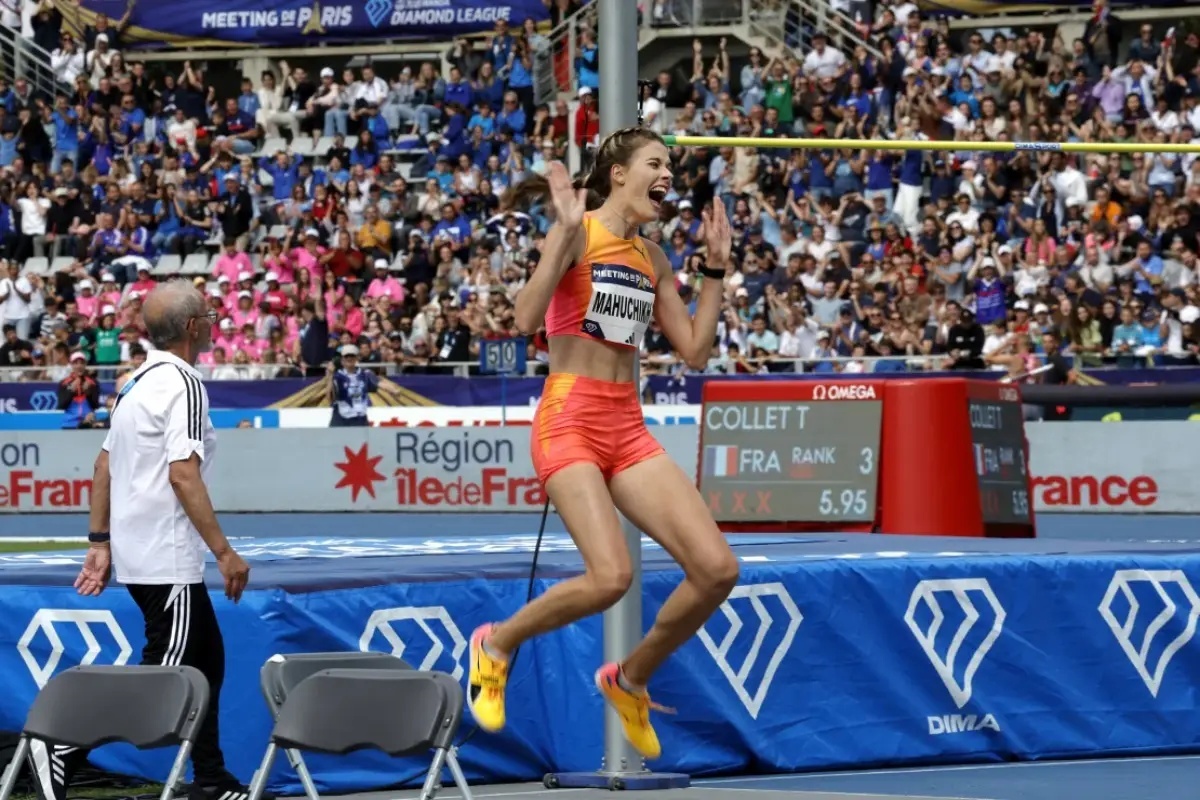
{"x": 227, "y": 788}
{"x": 52, "y": 767}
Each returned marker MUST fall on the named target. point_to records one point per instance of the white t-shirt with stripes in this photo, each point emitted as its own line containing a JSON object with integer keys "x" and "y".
{"x": 161, "y": 416}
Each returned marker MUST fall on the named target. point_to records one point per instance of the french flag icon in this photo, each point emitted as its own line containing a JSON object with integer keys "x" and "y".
{"x": 720, "y": 460}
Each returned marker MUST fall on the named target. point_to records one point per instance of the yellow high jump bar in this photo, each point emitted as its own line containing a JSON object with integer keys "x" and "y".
{"x": 973, "y": 147}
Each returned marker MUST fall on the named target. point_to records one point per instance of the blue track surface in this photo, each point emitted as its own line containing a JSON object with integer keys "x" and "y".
{"x": 1110, "y": 779}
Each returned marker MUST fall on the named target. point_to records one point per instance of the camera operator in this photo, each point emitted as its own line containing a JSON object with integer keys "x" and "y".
{"x": 350, "y": 389}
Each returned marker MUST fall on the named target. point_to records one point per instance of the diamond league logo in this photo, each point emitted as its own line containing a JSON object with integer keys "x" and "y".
{"x": 390, "y": 625}
{"x": 956, "y": 653}
{"x": 43, "y": 401}
{"x": 102, "y": 639}
{"x": 1151, "y": 639}
{"x": 741, "y": 678}
{"x": 377, "y": 11}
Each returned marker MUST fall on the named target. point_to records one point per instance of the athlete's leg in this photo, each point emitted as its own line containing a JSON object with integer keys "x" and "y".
{"x": 685, "y": 529}
{"x": 579, "y": 493}
{"x": 586, "y": 508}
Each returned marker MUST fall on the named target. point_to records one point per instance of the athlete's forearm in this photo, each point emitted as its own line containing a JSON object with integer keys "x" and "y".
{"x": 534, "y": 298}
{"x": 704, "y": 322}
{"x": 99, "y": 506}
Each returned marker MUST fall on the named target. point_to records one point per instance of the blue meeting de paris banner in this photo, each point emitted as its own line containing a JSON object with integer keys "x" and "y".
{"x": 299, "y": 22}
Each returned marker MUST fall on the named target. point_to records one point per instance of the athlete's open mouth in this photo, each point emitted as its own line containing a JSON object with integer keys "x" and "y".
{"x": 657, "y": 195}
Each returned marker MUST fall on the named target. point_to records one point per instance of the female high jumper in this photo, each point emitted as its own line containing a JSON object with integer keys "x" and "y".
{"x": 597, "y": 286}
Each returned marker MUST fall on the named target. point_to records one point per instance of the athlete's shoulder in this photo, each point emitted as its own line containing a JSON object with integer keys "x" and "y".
{"x": 653, "y": 253}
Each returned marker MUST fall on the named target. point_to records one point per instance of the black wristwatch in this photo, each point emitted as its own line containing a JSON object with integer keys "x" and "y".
{"x": 713, "y": 272}
{"x": 98, "y": 538}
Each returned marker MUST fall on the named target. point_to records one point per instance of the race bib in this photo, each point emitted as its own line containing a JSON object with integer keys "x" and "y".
{"x": 622, "y": 305}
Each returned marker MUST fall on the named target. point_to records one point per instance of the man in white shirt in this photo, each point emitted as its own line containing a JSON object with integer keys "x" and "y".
{"x": 16, "y": 296}
{"x": 149, "y": 490}
{"x": 824, "y": 61}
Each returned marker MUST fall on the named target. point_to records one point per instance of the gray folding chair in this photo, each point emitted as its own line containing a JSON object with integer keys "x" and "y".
{"x": 280, "y": 674}
{"x": 146, "y": 706}
{"x": 400, "y": 712}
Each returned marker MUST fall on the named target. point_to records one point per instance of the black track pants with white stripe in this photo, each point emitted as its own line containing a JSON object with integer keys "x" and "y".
{"x": 181, "y": 629}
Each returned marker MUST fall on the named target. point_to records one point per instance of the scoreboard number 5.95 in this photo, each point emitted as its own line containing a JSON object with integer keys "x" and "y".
{"x": 846, "y": 503}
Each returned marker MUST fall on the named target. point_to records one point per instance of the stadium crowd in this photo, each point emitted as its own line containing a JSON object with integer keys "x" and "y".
{"x": 353, "y": 207}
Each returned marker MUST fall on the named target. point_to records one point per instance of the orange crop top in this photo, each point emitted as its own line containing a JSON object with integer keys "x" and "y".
{"x": 608, "y": 294}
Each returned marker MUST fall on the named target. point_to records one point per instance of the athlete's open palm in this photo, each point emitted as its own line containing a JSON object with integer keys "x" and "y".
{"x": 718, "y": 237}
{"x": 569, "y": 203}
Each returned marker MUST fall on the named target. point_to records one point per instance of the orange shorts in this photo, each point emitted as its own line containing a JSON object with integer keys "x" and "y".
{"x": 589, "y": 420}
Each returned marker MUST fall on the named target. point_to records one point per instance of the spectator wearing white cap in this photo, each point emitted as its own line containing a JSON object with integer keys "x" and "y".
{"x": 384, "y": 285}
{"x": 308, "y": 255}
{"x": 349, "y": 389}
{"x": 275, "y": 297}
{"x": 325, "y": 104}
{"x": 99, "y": 61}
{"x": 246, "y": 313}
{"x": 86, "y": 301}
{"x": 106, "y": 342}
{"x": 226, "y": 292}
{"x": 78, "y": 394}
{"x": 587, "y": 125}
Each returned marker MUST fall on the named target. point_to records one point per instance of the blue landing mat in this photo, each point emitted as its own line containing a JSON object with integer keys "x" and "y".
{"x": 832, "y": 652}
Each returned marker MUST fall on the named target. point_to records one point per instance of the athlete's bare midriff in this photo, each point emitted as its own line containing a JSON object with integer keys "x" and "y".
{"x": 577, "y": 355}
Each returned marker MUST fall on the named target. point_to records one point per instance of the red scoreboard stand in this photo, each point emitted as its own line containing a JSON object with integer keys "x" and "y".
{"x": 942, "y": 457}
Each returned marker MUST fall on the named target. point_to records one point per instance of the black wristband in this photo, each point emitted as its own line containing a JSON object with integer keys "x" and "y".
{"x": 98, "y": 538}
{"x": 713, "y": 272}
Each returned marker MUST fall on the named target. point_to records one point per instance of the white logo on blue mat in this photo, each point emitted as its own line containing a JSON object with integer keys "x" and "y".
{"x": 88, "y": 622}
{"x": 739, "y": 679}
{"x": 384, "y": 623}
{"x": 955, "y": 664}
{"x": 1151, "y": 665}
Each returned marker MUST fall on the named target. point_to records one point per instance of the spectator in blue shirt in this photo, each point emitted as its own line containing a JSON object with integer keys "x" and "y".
{"x": 1146, "y": 269}
{"x": 247, "y": 101}
{"x": 365, "y": 152}
{"x": 458, "y": 89}
{"x": 484, "y": 119}
{"x": 453, "y": 225}
{"x": 66, "y": 134}
{"x": 283, "y": 170}
{"x": 512, "y": 117}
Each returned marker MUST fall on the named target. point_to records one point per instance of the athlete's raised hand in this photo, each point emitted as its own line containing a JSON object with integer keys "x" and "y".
{"x": 718, "y": 237}
{"x": 569, "y": 203}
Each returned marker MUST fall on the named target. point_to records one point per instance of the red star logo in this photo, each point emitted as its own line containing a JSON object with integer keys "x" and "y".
{"x": 359, "y": 472}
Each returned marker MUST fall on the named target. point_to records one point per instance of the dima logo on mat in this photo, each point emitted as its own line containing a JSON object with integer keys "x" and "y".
{"x": 385, "y": 620}
{"x": 740, "y": 678}
{"x": 949, "y": 655}
{"x": 1171, "y": 628}
{"x": 89, "y": 623}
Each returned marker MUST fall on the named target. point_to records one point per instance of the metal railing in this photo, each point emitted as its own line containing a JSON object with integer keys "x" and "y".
{"x": 790, "y": 24}
{"x": 21, "y": 58}
{"x": 462, "y": 369}
{"x": 657, "y": 16}
{"x": 660, "y": 14}
{"x": 563, "y": 50}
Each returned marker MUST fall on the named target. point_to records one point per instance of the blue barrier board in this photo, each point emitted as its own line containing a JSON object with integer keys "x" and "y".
{"x": 833, "y": 651}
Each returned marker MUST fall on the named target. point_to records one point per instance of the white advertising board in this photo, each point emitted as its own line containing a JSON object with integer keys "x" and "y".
{"x": 1115, "y": 467}
{"x": 1129, "y": 467}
